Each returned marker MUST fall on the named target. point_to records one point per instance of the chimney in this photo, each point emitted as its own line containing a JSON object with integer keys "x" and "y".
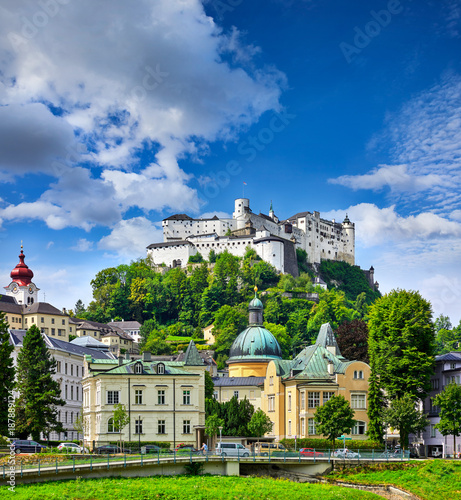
{"x": 127, "y": 356}
{"x": 120, "y": 360}
{"x": 64, "y": 310}
{"x": 146, "y": 356}
{"x": 331, "y": 367}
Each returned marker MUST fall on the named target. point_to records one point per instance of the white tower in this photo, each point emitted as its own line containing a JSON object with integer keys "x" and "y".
{"x": 21, "y": 287}
{"x": 242, "y": 208}
{"x": 349, "y": 238}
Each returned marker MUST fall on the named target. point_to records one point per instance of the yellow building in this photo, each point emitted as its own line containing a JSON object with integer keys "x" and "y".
{"x": 289, "y": 391}
{"x": 293, "y": 389}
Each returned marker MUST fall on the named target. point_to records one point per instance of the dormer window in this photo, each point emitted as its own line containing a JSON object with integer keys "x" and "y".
{"x": 138, "y": 368}
{"x": 160, "y": 369}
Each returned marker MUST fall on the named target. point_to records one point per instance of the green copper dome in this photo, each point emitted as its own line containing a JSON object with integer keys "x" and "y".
{"x": 256, "y": 304}
{"x": 255, "y": 343}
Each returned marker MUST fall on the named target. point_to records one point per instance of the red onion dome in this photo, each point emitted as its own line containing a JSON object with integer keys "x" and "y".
{"x": 21, "y": 274}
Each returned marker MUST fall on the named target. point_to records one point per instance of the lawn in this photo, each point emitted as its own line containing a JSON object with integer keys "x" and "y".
{"x": 183, "y": 488}
{"x": 430, "y": 480}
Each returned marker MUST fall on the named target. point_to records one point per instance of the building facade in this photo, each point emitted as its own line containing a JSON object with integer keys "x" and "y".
{"x": 165, "y": 400}
{"x": 447, "y": 370}
{"x": 69, "y": 374}
{"x": 273, "y": 240}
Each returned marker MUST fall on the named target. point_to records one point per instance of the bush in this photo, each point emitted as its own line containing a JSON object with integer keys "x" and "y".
{"x": 135, "y": 444}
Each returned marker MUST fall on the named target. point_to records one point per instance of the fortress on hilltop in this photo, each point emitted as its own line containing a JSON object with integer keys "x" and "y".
{"x": 274, "y": 240}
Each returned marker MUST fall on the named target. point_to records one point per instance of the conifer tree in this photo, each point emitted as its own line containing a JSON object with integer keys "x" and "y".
{"x": 39, "y": 394}
{"x": 7, "y": 371}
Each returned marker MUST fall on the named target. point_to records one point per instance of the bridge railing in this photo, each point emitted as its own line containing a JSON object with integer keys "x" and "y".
{"x": 56, "y": 463}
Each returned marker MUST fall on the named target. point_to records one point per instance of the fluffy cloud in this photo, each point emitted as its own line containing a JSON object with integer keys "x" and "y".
{"x": 82, "y": 245}
{"x": 130, "y": 237}
{"x": 424, "y": 138}
{"x": 396, "y": 177}
{"x": 122, "y": 78}
{"x": 376, "y": 226}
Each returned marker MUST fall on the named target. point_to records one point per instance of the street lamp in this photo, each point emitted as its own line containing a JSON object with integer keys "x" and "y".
{"x": 220, "y": 436}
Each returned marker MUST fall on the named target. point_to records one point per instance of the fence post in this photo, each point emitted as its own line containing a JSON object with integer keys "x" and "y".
{"x": 91, "y": 463}
{"x": 56, "y": 465}
{"x": 124, "y": 461}
{"x": 73, "y": 463}
{"x": 21, "y": 467}
{"x": 39, "y": 467}
{"x": 158, "y": 456}
{"x": 108, "y": 461}
{"x": 315, "y": 456}
{"x": 174, "y": 456}
{"x": 285, "y": 455}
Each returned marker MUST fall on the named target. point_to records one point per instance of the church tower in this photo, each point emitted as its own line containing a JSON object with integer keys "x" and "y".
{"x": 21, "y": 287}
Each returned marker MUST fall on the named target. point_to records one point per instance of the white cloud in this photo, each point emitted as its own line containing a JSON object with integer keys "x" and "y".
{"x": 424, "y": 140}
{"x": 396, "y": 177}
{"x": 376, "y": 226}
{"x": 123, "y": 77}
{"x": 83, "y": 245}
{"x": 130, "y": 237}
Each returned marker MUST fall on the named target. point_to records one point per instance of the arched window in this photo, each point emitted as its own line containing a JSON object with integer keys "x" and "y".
{"x": 111, "y": 427}
{"x": 138, "y": 368}
{"x": 160, "y": 368}
{"x": 358, "y": 374}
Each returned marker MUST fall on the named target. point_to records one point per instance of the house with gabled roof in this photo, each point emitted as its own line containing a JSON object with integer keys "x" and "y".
{"x": 293, "y": 389}
{"x": 164, "y": 399}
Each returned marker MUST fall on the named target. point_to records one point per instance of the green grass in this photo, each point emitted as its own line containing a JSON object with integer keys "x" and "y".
{"x": 430, "y": 480}
{"x": 183, "y": 488}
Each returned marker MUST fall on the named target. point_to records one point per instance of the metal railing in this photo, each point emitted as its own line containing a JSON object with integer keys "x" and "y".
{"x": 54, "y": 464}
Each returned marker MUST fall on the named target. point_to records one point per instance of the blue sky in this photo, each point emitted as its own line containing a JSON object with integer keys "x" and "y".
{"x": 116, "y": 114}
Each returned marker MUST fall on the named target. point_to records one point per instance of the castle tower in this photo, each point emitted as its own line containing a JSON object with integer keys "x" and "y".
{"x": 21, "y": 287}
{"x": 348, "y": 229}
{"x": 242, "y": 209}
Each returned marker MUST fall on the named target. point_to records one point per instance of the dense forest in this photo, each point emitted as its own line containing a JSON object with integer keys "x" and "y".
{"x": 175, "y": 305}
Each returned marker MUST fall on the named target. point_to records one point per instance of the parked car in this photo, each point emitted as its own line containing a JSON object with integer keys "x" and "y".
{"x": 109, "y": 449}
{"x": 310, "y": 452}
{"x": 263, "y": 449}
{"x": 232, "y": 450}
{"x": 346, "y": 453}
{"x": 28, "y": 446}
{"x": 72, "y": 447}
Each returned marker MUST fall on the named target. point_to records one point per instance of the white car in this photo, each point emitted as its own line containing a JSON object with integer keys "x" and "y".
{"x": 346, "y": 453}
{"x": 72, "y": 448}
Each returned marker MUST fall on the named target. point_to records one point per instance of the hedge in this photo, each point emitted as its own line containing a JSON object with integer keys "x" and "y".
{"x": 135, "y": 444}
{"x": 325, "y": 444}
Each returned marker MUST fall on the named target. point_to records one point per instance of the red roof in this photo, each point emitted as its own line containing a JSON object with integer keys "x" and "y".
{"x": 21, "y": 274}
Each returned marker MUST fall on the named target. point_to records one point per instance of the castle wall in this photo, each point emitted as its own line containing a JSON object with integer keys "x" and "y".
{"x": 320, "y": 238}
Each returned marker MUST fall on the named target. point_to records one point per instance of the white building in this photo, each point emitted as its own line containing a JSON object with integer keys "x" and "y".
{"x": 69, "y": 373}
{"x": 273, "y": 240}
{"x": 165, "y": 400}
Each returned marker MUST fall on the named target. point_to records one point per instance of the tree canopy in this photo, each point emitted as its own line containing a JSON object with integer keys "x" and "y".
{"x": 401, "y": 343}
{"x": 449, "y": 403}
{"x": 334, "y": 418}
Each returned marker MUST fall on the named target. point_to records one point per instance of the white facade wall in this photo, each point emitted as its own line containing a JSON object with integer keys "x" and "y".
{"x": 169, "y": 254}
{"x": 271, "y": 252}
{"x": 182, "y": 229}
{"x": 97, "y": 409}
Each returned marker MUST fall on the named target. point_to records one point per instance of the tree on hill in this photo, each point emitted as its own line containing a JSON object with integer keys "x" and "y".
{"x": 334, "y": 418}
{"x": 7, "y": 371}
{"x": 350, "y": 279}
{"x": 39, "y": 394}
{"x": 449, "y": 402}
{"x": 352, "y": 338}
{"x": 401, "y": 343}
